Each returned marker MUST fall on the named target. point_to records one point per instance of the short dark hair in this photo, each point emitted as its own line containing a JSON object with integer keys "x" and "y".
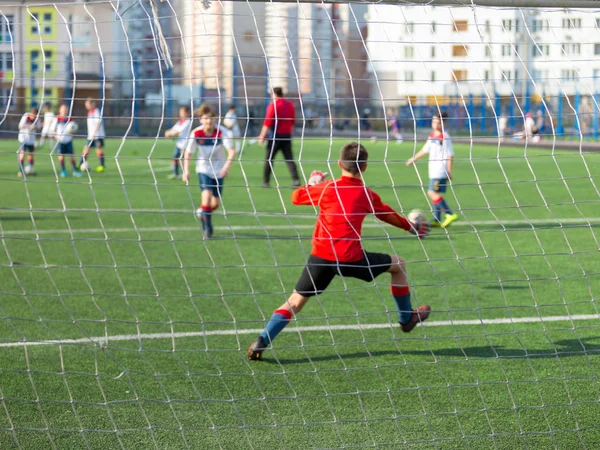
{"x": 204, "y": 110}
{"x": 442, "y": 115}
{"x": 185, "y": 109}
{"x": 47, "y": 105}
{"x": 278, "y": 91}
{"x": 353, "y": 157}
{"x": 231, "y": 107}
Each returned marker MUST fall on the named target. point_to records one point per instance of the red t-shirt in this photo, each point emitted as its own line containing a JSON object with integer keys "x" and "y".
{"x": 344, "y": 203}
{"x": 283, "y": 122}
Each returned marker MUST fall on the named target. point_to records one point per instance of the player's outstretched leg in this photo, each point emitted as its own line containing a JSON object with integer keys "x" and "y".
{"x": 278, "y": 321}
{"x": 407, "y": 316}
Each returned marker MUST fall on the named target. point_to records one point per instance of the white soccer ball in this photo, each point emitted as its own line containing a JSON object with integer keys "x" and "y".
{"x": 417, "y": 216}
{"x": 84, "y": 167}
{"x": 227, "y": 122}
{"x": 71, "y": 128}
{"x": 28, "y": 169}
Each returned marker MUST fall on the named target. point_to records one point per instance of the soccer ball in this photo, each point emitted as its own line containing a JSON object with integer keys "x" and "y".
{"x": 417, "y": 216}
{"x": 228, "y": 123}
{"x": 71, "y": 128}
{"x": 84, "y": 167}
{"x": 28, "y": 169}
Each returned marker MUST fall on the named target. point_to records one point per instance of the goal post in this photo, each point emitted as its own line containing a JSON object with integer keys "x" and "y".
{"x": 129, "y": 298}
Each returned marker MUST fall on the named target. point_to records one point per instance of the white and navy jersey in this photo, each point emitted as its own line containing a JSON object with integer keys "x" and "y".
{"x": 95, "y": 124}
{"x": 231, "y": 122}
{"x": 58, "y": 128}
{"x": 211, "y": 148}
{"x": 48, "y": 120}
{"x": 182, "y": 128}
{"x": 27, "y": 134}
{"x": 439, "y": 147}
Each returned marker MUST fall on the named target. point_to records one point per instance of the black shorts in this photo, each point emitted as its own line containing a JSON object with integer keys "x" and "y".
{"x": 27, "y": 147}
{"x": 98, "y": 143}
{"x": 65, "y": 148}
{"x": 319, "y": 272}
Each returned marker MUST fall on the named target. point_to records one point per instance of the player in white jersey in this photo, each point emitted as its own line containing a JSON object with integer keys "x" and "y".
{"x": 28, "y": 125}
{"x": 441, "y": 159}
{"x": 61, "y": 131}
{"x": 231, "y": 123}
{"x": 213, "y": 149}
{"x": 48, "y": 120}
{"x": 181, "y": 130}
{"x": 96, "y": 134}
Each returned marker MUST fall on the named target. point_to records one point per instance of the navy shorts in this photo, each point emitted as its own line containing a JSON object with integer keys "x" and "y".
{"x": 26, "y": 147}
{"x": 215, "y": 185}
{"x": 97, "y": 143}
{"x": 438, "y": 184}
{"x": 177, "y": 153}
{"x": 318, "y": 272}
{"x": 65, "y": 148}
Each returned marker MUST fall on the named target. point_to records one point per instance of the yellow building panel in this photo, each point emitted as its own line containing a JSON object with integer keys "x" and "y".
{"x": 46, "y": 17}
{"x": 50, "y": 96}
{"x": 34, "y": 57}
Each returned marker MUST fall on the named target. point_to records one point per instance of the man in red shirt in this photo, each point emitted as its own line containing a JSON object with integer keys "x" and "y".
{"x": 336, "y": 246}
{"x": 279, "y": 123}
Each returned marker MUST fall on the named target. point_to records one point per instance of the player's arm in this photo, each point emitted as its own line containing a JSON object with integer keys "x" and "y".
{"x": 418, "y": 156}
{"x": 449, "y": 166}
{"x": 23, "y": 124}
{"x": 52, "y": 128}
{"x": 387, "y": 214}
{"x": 267, "y": 124}
{"x": 228, "y": 144}
{"x": 187, "y": 156}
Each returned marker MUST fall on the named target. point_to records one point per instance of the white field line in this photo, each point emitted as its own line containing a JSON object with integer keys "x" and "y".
{"x": 556, "y": 222}
{"x": 441, "y": 323}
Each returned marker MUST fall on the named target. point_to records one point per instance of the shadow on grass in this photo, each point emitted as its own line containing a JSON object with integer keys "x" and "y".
{"x": 562, "y": 348}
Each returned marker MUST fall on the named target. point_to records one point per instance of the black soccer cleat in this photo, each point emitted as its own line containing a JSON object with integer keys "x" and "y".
{"x": 418, "y": 315}
{"x": 256, "y": 349}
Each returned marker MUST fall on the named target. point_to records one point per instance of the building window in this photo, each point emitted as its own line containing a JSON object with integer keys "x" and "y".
{"x": 570, "y": 24}
{"x": 596, "y": 49}
{"x": 432, "y": 76}
{"x": 571, "y": 49}
{"x": 409, "y": 75}
{"x": 569, "y": 75}
{"x": 506, "y": 50}
{"x": 461, "y": 25}
{"x": 488, "y": 26}
{"x": 460, "y": 50}
{"x": 6, "y": 62}
{"x": 433, "y": 27}
{"x": 488, "y": 52}
{"x": 6, "y": 99}
{"x": 542, "y": 50}
{"x": 459, "y": 75}
{"x": 507, "y": 24}
{"x": 409, "y": 52}
{"x": 6, "y": 28}
{"x": 410, "y": 27}
{"x": 486, "y": 75}
{"x": 596, "y": 74}
{"x": 516, "y": 25}
{"x": 433, "y": 52}
{"x": 48, "y": 17}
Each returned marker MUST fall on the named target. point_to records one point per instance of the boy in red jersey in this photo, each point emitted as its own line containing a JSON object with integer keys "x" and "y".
{"x": 337, "y": 250}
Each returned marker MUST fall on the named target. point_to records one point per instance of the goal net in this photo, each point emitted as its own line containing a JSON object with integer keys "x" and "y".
{"x": 125, "y": 322}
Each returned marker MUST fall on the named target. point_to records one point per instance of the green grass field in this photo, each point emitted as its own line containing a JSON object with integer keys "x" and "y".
{"x": 160, "y": 320}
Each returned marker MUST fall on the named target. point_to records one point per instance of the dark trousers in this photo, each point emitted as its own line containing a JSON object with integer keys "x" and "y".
{"x": 283, "y": 144}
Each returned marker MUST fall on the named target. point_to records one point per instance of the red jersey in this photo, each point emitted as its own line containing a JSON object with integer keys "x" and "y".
{"x": 283, "y": 122}
{"x": 344, "y": 203}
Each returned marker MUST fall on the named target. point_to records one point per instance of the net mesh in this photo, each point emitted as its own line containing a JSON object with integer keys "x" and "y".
{"x": 123, "y": 326}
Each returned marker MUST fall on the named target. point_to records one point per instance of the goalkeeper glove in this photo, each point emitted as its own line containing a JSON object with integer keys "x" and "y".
{"x": 420, "y": 229}
{"x": 316, "y": 176}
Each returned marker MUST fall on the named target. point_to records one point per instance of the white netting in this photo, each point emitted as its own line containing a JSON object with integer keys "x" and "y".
{"x": 123, "y": 326}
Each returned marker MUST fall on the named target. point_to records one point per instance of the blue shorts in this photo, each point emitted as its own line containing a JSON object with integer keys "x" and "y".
{"x": 98, "y": 143}
{"x": 206, "y": 182}
{"x": 438, "y": 184}
{"x": 26, "y": 147}
{"x": 65, "y": 148}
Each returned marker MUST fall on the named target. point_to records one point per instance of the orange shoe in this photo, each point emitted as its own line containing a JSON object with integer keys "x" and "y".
{"x": 418, "y": 315}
